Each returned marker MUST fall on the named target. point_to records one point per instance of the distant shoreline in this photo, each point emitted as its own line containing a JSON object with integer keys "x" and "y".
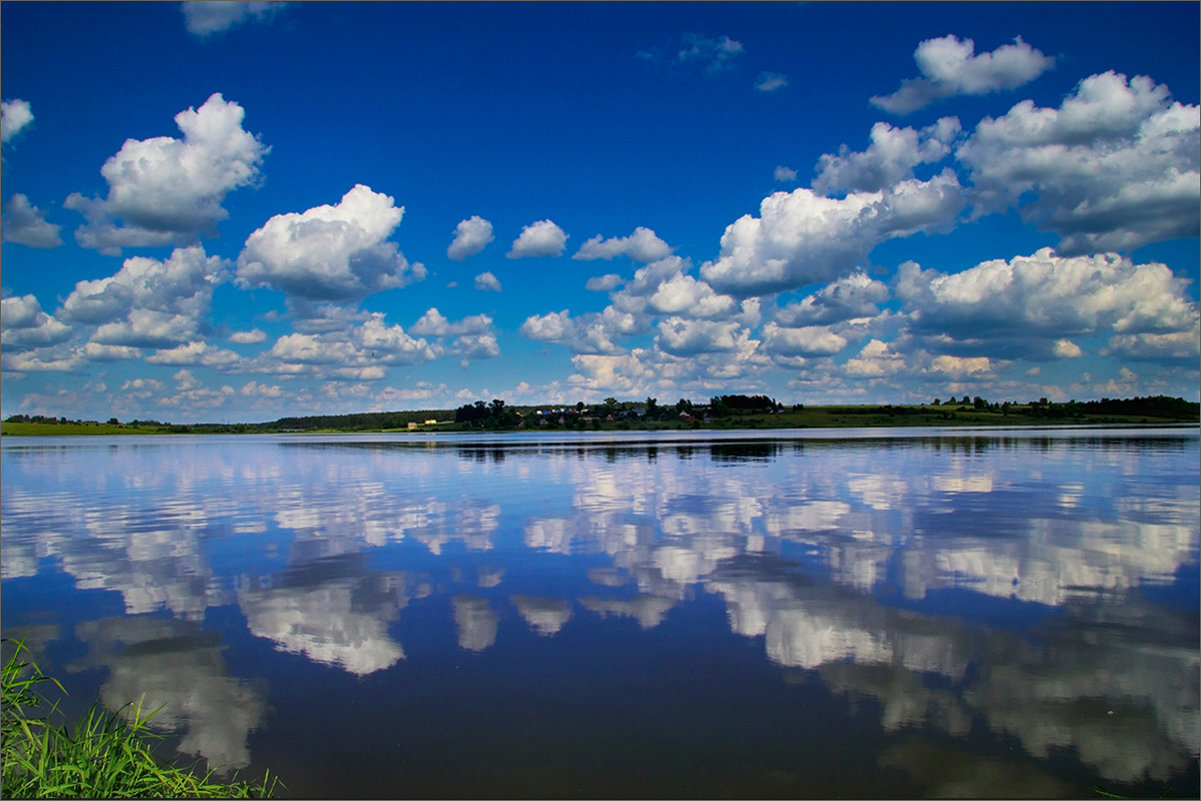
{"x": 633, "y": 416}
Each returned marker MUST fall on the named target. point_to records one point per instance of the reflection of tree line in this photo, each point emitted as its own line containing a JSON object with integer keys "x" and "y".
{"x": 977, "y": 445}
{"x": 719, "y": 452}
{"x": 771, "y": 446}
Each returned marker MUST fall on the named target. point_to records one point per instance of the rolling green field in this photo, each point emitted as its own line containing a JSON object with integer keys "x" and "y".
{"x": 76, "y": 428}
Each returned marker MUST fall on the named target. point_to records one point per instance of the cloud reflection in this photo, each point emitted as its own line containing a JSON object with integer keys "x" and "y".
{"x": 839, "y": 557}
{"x": 546, "y": 616}
{"x": 173, "y": 667}
{"x": 939, "y": 524}
{"x": 477, "y": 622}
{"x": 334, "y": 612}
{"x": 648, "y": 610}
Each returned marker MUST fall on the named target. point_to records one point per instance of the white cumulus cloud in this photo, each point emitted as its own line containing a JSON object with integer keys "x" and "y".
{"x": 434, "y": 324}
{"x": 14, "y": 116}
{"x": 390, "y": 343}
{"x": 1032, "y": 305}
{"x": 358, "y": 352}
{"x": 624, "y": 375}
{"x": 475, "y": 346}
{"x": 603, "y": 283}
{"x": 854, "y": 295}
{"x": 801, "y": 237}
{"x": 25, "y": 325}
{"x": 330, "y": 253}
{"x": 52, "y": 360}
{"x": 252, "y": 337}
{"x": 165, "y": 191}
{"x": 471, "y": 236}
{"x": 148, "y": 302}
{"x": 1115, "y": 167}
{"x": 487, "y": 282}
{"x": 889, "y": 159}
{"x": 194, "y": 353}
{"x": 1183, "y": 347}
{"x": 810, "y": 340}
{"x": 961, "y": 367}
{"x": 205, "y": 17}
{"x": 255, "y": 389}
{"x": 314, "y": 348}
{"x": 643, "y": 245}
{"x": 876, "y": 359}
{"x": 26, "y": 225}
{"x": 770, "y": 82}
{"x": 685, "y": 294}
{"x": 592, "y": 333}
{"x": 950, "y": 66}
{"x": 95, "y": 352}
{"x": 542, "y": 238}
{"x": 684, "y": 337}
{"x": 147, "y": 328}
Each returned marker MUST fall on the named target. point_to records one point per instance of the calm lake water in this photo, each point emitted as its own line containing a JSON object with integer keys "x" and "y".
{"x": 888, "y": 613}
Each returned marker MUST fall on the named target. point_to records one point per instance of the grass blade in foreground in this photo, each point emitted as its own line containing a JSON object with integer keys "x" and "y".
{"x": 105, "y": 756}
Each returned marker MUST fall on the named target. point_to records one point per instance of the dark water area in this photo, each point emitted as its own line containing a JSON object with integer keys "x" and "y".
{"x": 854, "y": 613}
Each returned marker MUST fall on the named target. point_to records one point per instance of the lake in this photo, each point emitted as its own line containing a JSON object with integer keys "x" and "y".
{"x": 863, "y": 613}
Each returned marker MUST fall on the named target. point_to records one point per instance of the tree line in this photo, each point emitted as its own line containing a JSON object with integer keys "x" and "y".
{"x": 722, "y": 410}
{"x": 1149, "y": 406}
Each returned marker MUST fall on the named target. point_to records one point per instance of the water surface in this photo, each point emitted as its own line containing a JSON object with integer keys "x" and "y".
{"x": 807, "y": 614}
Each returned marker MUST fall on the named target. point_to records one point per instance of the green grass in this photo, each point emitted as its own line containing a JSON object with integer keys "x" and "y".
{"x": 16, "y": 429}
{"x": 103, "y": 756}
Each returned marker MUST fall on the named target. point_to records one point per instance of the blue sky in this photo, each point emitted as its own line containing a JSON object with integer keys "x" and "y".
{"x": 241, "y": 211}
